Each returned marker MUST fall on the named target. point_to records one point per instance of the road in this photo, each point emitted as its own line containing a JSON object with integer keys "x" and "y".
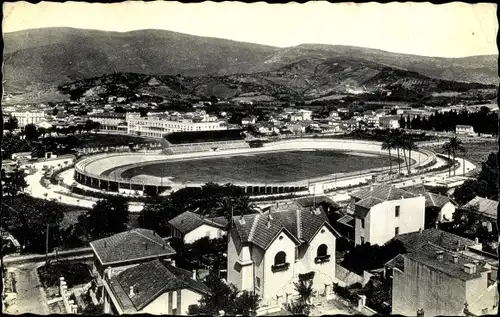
{"x": 31, "y": 297}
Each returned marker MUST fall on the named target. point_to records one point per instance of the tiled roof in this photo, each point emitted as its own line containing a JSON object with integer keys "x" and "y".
{"x": 383, "y": 192}
{"x": 300, "y": 224}
{"x": 130, "y": 245}
{"x": 369, "y": 202}
{"x": 426, "y": 255}
{"x": 188, "y": 221}
{"x": 311, "y": 201}
{"x": 397, "y": 262}
{"x": 346, "y": 220}
{"x": 485, "y": 205}
{"x": 415, "y": 240}
{"x": 152, "y": 279}
{"x": 431, "y": 199}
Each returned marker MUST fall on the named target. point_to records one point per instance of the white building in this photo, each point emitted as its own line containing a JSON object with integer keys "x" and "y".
{"x": 389, "y": 122}
{"x": 464, "y": 129}
{"x": 157, "y": 126}
{"x": 28, "y": 117}
{"x": 191, "y": 227}
{"x": 109, "y": 120}
{"x": 268, "y": 252}
{"x": 383, "y": 211}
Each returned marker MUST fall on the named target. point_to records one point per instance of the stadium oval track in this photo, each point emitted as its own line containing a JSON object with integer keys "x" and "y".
{"x": 105, "y": 171}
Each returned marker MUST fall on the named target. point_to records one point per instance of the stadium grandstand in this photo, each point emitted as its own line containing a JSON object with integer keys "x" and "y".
{"x": 204, "y": 141}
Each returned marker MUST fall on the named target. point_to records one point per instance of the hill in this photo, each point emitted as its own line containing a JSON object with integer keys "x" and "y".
{"x": 41, "y": 58}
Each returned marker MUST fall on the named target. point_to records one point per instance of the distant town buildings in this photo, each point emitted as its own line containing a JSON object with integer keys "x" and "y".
{"x": 28, "y": 117}
{"x": 389, "y": 122}
{"x": 464, "y": 130}
{"x": 109, "y": 121}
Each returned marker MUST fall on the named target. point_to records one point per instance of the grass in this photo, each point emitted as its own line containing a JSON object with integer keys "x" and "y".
{"x": 477, "y": 152}
{"x": 103, "y": 139}
{"x": 74, "y": 273}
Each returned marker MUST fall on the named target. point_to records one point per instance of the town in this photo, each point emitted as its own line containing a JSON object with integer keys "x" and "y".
{"x": 214, "y": 177}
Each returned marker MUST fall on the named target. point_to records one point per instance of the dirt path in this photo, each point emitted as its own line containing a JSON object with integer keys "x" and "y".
{"x": 30, "y": 294}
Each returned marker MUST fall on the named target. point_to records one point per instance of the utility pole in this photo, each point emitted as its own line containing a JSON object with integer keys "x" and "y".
{"x": 47, "y": 244}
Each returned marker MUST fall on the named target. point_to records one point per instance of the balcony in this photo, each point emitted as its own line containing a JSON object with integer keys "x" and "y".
{"x": 322, "y": 259}
{"x": 280, "y": 267}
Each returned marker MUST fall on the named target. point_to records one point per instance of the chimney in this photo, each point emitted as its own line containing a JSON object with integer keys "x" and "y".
{"x": 455, "y": 258}
{"x": 469, "y": 268}
{"x": 172, "y": 262}
{"x": 439, "y": 255}
{"x": 131, "y": 293}
{"x": 194, "y": 275}
{"x": 110, "y": 273}
{"x": 476, "y": 240}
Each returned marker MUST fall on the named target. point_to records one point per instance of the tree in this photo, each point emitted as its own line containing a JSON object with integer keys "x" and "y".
{"x": 301, "y": 305}
{"x": 398, "y": 137}
{"x": 226, "y": 298}
{"x": 108, "y": 216}
{"x": 31, "y": 132}
{"x": 14, "y": 182}
{"x": 389, "y": 144}
{"x": 11, "y": 124}
{"x": 410, "y": 145}
{"x": 454, "y": 146}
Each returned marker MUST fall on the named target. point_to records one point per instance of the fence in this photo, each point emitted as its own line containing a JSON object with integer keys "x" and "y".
{"x": 69, "y": 304}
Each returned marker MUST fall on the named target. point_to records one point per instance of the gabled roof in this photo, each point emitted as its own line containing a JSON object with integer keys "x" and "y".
{"x": 311, "y": 201}
{"x": 415, "y": 240}
{"x": 299, "y": 224}
{"x": 130, "y": 245}
{"x": 369, "y": 202}
{"x": 150, "y": 280}
{"x": 383, "y": 192}
{"x": 485, "y": 205}
{"x": 188, "y": 221}
{"x": 431, "y": 199}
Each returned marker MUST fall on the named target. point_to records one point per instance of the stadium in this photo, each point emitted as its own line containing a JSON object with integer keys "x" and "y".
{"x": 227, "y": 156}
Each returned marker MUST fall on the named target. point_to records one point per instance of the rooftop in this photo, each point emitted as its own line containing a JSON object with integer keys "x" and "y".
{"x": 449, "y": 241}
{"x": 426, "y": 255}
{"x": 485, "y": 205}
{"x": 431, "y": 199}
{"x": 383, "y": 192}
{"x": 130, "y": 245}
{"x": 149, "y": 281}
{"x": 302, "y": 225}
{"x": 188, "y": 221}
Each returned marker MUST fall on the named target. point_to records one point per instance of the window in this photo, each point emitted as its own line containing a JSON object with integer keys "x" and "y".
{"x": 258, "y": 282}
{"x": 362, "y": 240}
{"x": 396, "y": 231}
{"x": 397, "y": 211}
{"x": 362, "y": 223}
{"x": 280, "y": 263}
{"x": 322, "y": 255}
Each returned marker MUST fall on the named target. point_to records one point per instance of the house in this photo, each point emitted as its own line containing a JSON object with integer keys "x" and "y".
{"x": 389, "y": 122}
{"x": 127, "y": 249}
{"x": 191, "y": 227}
{"x": 268, "y": 252}
{"x": 487, "y": 207}
{"x": 442, "y": 282}
{"x": 249, "y": 120}
{"x": 464, "y": 129}
{"x": 443, "y": 204}
{"x": 155, "y": 287}
{"x": 384, "y": 211}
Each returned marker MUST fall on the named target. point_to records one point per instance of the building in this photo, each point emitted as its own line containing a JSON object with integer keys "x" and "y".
{"x": 109, "y": 120}
{"x": 159, "y": 125}
{"x": 191, "y": 227}
{"x": 269, "y": 251}
{"x": 28, "y": 117}
{"x": 383, "y": 211}
{"x": 155, "y": 287}
{"x": 486, "y": 207}
{"x": 464, "y": 129}
{"x": 443, "y": 204}
{"x": 127, "y": 249}
{"x": 442, "y": 283}
{"x": 389, "y": 122}
{"x": 249, "y": 120}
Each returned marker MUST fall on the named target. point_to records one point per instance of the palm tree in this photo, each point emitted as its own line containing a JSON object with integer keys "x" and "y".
{"x": 454, "y": 146}
{"x": 409, "y": 145}
{"x": 397, "y": 135}
{"x": 447, "y": 149}
{"x": 389, "y": 144}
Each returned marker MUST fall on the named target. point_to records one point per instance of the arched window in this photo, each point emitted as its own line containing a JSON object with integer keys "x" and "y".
{"x": 280, "y": 258}
{"x": 322, "y": 251}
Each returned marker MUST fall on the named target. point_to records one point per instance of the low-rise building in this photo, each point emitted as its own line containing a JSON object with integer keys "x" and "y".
{"x": 28, "y": 117}
{"x": 156, "y": 287}
{"x": 464, "y": 129}
{"x": 441, "y": 282}
{"x": 269, "y": 251}
{"x": 389, "y": 122}
{"x": 191, "y": 227}
{"x": 109, "y": 120}
{"x": 249, "y": 120}
{"x": 384, "y": 211}
{"x": 436, "y": 202}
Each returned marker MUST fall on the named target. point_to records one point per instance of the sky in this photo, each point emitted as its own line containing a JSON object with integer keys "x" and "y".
{"x": 449, "y": 30}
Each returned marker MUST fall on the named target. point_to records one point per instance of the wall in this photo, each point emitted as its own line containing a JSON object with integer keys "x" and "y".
{"x": 233, "y": 248}
{"x": 479, "y": 297}
{"x": 419, "y": 287}
{"x": 381, "y": 221}
{"x": 447, "y": 211}
{"x": 278, "y": 283}
{"x": 201, "y": 232}
{"x": 259, "y": 265}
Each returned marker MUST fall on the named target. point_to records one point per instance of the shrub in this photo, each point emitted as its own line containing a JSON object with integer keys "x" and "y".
{"x": 73, "y": 273}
